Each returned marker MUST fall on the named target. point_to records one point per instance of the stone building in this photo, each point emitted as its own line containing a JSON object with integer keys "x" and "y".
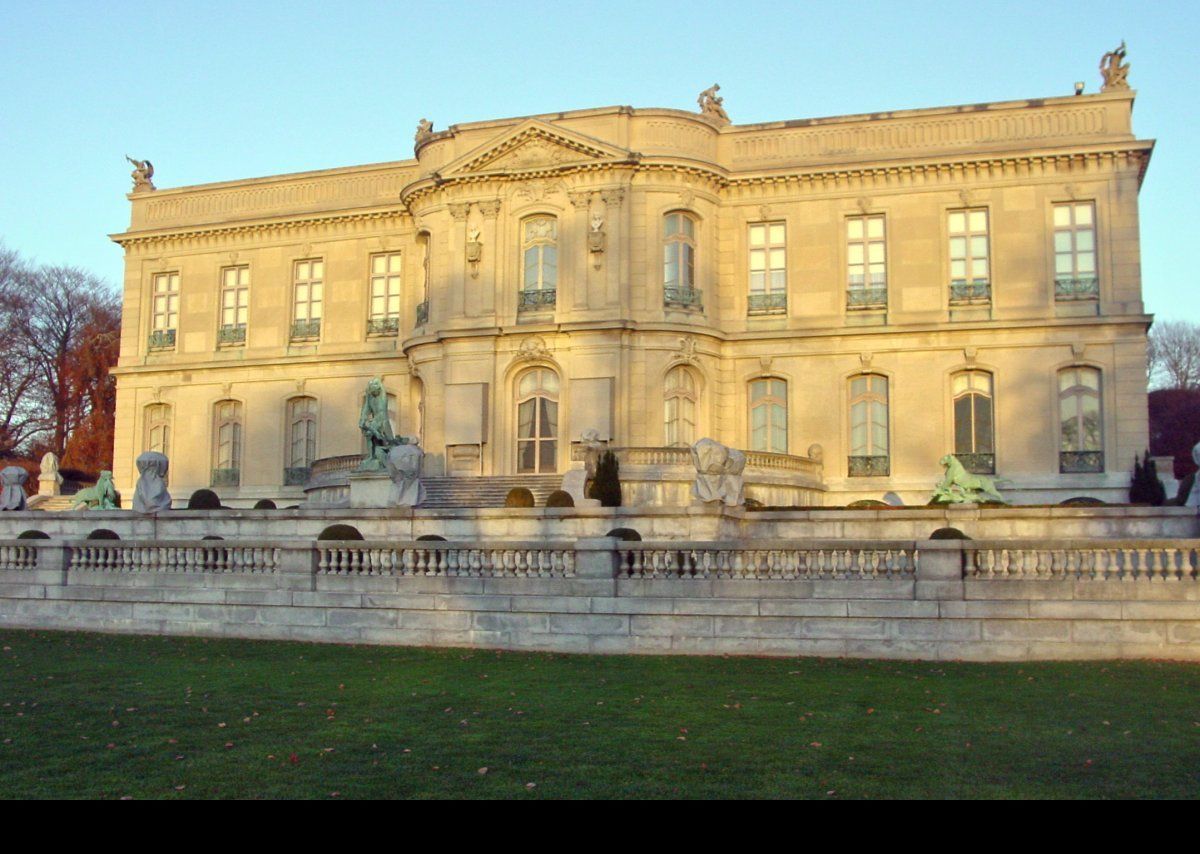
{"x": 849, "y": 298}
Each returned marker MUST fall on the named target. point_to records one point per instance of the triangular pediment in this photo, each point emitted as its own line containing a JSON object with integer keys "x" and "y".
{"x": 534, "y": 146}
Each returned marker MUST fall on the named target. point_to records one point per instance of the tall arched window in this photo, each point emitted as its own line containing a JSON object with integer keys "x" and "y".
{"x": 227, "y": 443}
{"x": 158, "y": 428}
{"x": 537, "y": 421}
{"x": 869, "y": 455}
{"x": 973, "y": 421}
{"x": 769, "y": 415}
{"x": 539, "y": 250}
{"x": 301, "y": 439}
{"x": 1081, "y": 429}
{"x": 679, "y": 260}
{"x": 679, "y": 405}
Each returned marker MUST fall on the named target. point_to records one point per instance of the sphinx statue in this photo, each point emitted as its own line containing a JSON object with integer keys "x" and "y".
{"x": 959, "y": 486}
{"x": 150, "y": 495}
{"x": 102, "y": 496}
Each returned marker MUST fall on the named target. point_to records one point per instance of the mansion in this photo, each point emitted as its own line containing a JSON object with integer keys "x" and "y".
{"x": 851, "y": 297}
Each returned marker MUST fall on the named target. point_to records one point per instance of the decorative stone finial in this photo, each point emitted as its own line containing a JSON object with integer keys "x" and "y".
{"x": 143, "y": 171}
{"x": 1114, "y": 70}
{"x": 711, "y": 104}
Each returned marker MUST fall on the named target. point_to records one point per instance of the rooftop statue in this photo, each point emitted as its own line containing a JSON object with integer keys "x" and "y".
{"x": 376, "y": 428}
{"x": 960, "y": 486}
{"x": 424, "y": 131}
{"x": 102, "y": 496}
{"x": 1114, "y": 71}
{"x": 12, "y": 488}
{"x": 710, "y": 103}
{"x": 143, "y": 171}
{"x": 150, "y": 495}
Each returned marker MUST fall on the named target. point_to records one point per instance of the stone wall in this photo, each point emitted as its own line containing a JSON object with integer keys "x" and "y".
{"x": 920, "y": 599}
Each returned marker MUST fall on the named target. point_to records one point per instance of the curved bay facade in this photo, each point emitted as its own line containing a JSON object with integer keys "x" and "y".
{"x": 870, "y": 292}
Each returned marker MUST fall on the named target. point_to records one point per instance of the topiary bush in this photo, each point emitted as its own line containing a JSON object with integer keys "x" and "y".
{"x": 519, "y": 497}
{"x": 627, "y": 534}
{"x": 948, "y": 534}
{"x": 606, "y": 486}
{"x": 204, "y": 499}
{"x": 103, "y": 534}
{"x": 33, "y": 535}
{"x": 866, "y": 503}
{"x": 1082, "y": 501}
{"x": 340, "y": 532}
{"x": 431, "y": 538}
{"x": 264, "y": 504}
{"x": 1145, "y": 486}
{"x": 560, "y": 498}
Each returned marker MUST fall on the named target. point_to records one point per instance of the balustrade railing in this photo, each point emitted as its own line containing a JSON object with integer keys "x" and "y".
{"x": 231, "y": 334}
{"x": 970, "y": 293}
{"x": 768, "y": 303}
{"x": 782, "y": 561}
{"x": 537, "y": 298}
{"x": 381, "y": 327}
{"x": 162, "y": 339}
{"x": 1088, "y": 560}
{"x": 454, "y": 560}
{"x": 15, "y": 556}
{"x": 681, "y": 455}
{"x": 1081, "y": 288}
{"x": 691, "y": 298}
{"x": 306, "y": 330}
{"x": 175, "y": 557}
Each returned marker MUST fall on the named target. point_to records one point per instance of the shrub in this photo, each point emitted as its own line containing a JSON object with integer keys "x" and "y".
{"x": 1082, "y": 501}
{"x": 340, "y": 532}
{"x": 559, "y": 498}
{"x": 864, "y": 503}
{"x": 33, "y": 535}
{"x": 627, "y": 534}
{"x": 204, "y": 499}
{"x": 519, "y": 496}
{"x": 431, "y": 538}
{"x": 948, "y": 534}
{"x": 264, "y": 504}
{"x": 103, "y": 534}
{"x": 1145, "y": 487}
{"x": 606, "y": 487}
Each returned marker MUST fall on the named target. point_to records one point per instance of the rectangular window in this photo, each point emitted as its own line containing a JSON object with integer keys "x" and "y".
{"x": 385, "y": 294}
{"x": 164, "y": 310}
{"x": 1075, "y": 251}
{"x": 970, "y": 279}
{"x": 308, "y": 297}
{"x": 866, "y": 262}
{"x": 235, "y": 305}
{"x": 768, "y": 268}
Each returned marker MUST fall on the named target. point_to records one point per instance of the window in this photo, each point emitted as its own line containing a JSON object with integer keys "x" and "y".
{"x": 308, "y": 293}
{"x": 869, "y": 455}
{"x": 1075, "y": 252}
{"x": 969, "y": 278}
{"x": 1081, "y": 426}
{"x": 423, "y": 305}
{"x": 165, "y": 308}
{"x": 768, "y": 268}
{"x": 385, "y": 294}
{"x": 537, "y": 421}
{"x": 227, "y": 443}
{"x": 973, "y": 422}
{"x": 158, "y": 429}
{"x": 679, "y": 404}
{"x": 539, "y": 248}
{"x": 866, "y": 258}
{"x": 679, "y": 261}
{"x": 301, "y": 440}
{"x": 769, "y": 415}
{"x": 235, "y": 305}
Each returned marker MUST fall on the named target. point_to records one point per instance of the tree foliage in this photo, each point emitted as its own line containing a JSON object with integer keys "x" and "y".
{"x": 61, "y": 328}
{"x": 1173, "y": 355}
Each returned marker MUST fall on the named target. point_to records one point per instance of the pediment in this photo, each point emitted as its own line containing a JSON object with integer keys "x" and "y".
{"x": 535, "y": 146}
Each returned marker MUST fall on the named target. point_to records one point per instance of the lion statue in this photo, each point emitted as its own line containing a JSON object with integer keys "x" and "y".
{"x": 959, "y": 486}
{"x": 102, "y": 496}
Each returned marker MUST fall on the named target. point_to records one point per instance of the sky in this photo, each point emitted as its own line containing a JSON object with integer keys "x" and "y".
{"x": 216, "y": 91}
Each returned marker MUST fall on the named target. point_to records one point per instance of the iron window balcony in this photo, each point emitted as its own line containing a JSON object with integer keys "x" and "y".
{"x": 422, "y": 313}
{"x": 162, "y": 339}
{"x": 296, "y": 475}
{"x": 1067, "y": 289}
{"x": 975, "y": 292}
{"x": 226, "y": 477}
{"x": 306, "y": 330}
{"x": 1081, "y": 462}
{"x": 978, "y": 463}
{"x": 873, "y": 466}
{"x": 383, "y": 326}
{"x": 768, "y": 303}
{"x": 537, "y": 298}
{"x": 863, "y": 297}
{"x": 232, "y": 334}
{"x": 689, "y": 298}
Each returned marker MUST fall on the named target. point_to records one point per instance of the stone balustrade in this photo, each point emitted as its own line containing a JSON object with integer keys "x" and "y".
{"x": 450, "y": 560}
{"x": 119, "y": 556}
{"x": 1125, "y": 560}
{"x": 768, "y": 561}
{"x": 17, "y": 556}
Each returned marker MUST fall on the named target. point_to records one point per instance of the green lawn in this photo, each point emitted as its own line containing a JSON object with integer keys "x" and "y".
{"x": 101, "y": 716}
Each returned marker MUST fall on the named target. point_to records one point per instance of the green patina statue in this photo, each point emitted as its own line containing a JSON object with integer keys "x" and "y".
{"x": 102, "y": 496}
{"x": 959, "y": 486}
{"x": 376, "y": 428}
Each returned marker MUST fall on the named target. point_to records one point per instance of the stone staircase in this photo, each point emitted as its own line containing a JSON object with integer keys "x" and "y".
{"x": 51, "y": 503}
{"x": 454, "y": 492}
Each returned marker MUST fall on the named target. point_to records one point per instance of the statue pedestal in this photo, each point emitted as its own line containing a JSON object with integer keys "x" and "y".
{"x": 370, "y": 489}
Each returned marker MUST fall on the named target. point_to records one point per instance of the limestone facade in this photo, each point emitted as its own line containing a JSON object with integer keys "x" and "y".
{"x": 874, "y": 291}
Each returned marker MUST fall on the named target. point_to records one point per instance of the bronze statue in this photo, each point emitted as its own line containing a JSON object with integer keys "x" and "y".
{"x": 376, "y": 428}
{"x": 1114, "y": 70}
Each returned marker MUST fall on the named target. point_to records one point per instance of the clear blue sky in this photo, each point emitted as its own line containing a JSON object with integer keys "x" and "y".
{"x": 213, "y": 91}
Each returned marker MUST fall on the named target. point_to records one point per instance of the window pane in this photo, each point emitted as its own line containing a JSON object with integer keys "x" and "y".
{"x": 778, "y": 232}
{"x": 958, "y": 222}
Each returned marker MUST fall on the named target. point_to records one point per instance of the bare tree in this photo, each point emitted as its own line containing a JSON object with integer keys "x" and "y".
{"x": 22, "y": 401}
{"x": 1174, "y": 355}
